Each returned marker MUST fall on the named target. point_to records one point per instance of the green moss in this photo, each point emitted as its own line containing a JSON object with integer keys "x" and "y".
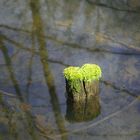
{"x": 73, "y": 73}
{"x": 75, "y": 86}
{"x": 88, "y": 72}
{"x": 74, "y": 76}
{"x": 91, "y": 72}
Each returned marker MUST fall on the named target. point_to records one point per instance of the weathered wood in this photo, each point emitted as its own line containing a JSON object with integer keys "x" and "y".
{"x": 82, "y": 105}
{"x": 83, "y": 110}
{"x": 82, "y": 90}
{"x": 75, "y": 92}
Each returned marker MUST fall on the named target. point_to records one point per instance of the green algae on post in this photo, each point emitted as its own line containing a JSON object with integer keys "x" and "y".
{"x": 88, "y": 72}
{"x": 82, "y": 88}
{"x": 73, "y": 78}
{"x": 82, "y": 80}
{"x": 72, "y": 73}
{"x": 91, "y": 72}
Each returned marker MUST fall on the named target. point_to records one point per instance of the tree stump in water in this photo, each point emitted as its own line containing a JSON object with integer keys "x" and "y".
{"x": 82, "y": 88}
{"x": 84, "y": 110}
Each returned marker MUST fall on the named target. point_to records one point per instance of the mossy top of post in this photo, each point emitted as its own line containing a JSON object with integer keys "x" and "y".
{"x": 88, "y": 72}
{"x": 91, "y": 72}
{"x": 73, "y": 73}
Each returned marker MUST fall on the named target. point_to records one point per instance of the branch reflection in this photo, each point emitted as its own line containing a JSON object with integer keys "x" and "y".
{"x": 39, "y": 32}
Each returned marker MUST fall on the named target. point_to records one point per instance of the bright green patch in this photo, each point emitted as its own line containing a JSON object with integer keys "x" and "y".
{"x": 88, "y": 72}
{"x": 73, "y": 73}
{"x": 91, "y": 72}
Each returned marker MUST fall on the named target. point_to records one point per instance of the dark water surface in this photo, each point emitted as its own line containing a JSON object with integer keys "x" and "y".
{"x": 39, "y": 38}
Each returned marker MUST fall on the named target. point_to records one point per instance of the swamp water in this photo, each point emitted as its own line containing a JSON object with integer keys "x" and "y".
{"x": 39, "y": 38}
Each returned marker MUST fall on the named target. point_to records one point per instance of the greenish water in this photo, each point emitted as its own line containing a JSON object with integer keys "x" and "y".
{"x": 38, "y": 39}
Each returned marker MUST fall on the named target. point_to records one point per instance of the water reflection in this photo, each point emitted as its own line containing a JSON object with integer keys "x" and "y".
{"x": 15, "y": 121}
{"x": 30, "y": 65}
{"x": 62, "y": 40}
{"x": 38, "y": 30}
{"x": 10, "y": 69}
{"x": 12, "y": 114}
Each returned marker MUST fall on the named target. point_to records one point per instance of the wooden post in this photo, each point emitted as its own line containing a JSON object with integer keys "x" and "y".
{"x": 83, "y": 110}
{"x": 82, "y": 88}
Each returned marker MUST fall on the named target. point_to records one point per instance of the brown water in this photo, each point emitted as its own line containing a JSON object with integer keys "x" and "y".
{"x": 38, "y": 39}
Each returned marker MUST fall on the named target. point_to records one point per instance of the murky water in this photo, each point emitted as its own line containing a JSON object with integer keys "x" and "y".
{"x": 38, "y": 39}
